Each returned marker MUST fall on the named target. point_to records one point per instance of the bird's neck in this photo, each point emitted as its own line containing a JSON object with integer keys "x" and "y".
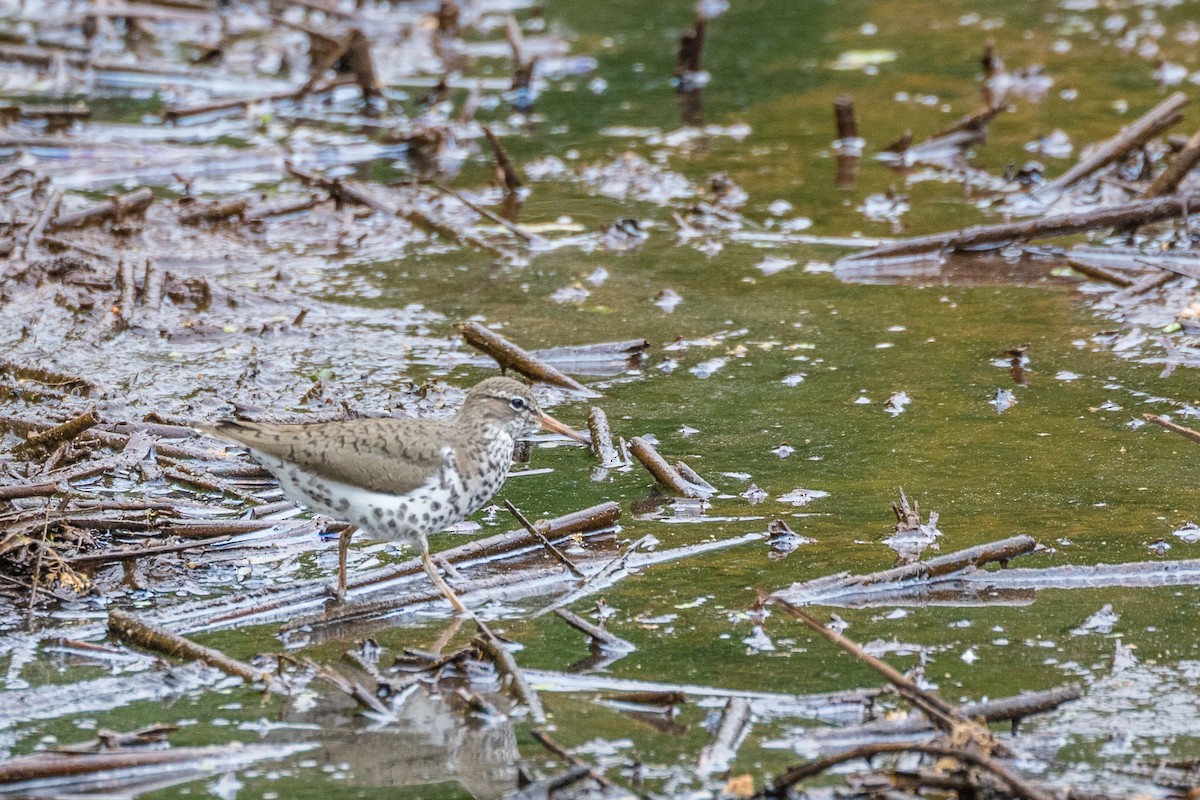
{"x": 490, "y": 442}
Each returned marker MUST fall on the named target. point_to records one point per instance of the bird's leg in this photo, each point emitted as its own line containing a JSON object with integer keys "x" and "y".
{"x": 343, "y": 550}
{"x": 442, "y": 586}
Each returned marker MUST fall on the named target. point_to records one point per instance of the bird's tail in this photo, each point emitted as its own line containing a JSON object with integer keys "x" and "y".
{"x": 227, "y": 430}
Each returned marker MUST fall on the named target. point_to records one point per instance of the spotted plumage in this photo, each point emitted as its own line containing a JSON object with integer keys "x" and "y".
{"x": 399, "y": 479}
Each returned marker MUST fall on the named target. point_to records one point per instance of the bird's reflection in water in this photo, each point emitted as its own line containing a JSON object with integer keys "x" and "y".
{"x": 431, "y": 742}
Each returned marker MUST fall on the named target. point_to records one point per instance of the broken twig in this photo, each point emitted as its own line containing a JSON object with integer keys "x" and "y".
{"x": 509, "y": 355}
{"x": 138, "y": 633}
{"x": 663, "y": 472}
{"x": 602, "y": 637}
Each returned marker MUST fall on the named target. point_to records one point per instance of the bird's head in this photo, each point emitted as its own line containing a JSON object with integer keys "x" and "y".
{"x": 511, "y": 405}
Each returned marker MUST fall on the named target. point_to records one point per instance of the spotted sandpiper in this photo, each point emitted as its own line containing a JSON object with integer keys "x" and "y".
{"x": 395, "y": 478}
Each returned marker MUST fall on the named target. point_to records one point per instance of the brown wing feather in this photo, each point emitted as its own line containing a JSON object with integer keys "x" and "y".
{"x": 383, "y": 455}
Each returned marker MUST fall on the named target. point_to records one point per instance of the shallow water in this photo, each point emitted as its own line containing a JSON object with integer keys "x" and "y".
{"x": 796, "y": 357}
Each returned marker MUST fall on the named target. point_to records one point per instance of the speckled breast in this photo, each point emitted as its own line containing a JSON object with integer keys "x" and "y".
{"x": 444, "y": 500}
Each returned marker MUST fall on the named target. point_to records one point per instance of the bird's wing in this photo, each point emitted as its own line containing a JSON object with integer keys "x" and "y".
{"x": 393, "y": 456}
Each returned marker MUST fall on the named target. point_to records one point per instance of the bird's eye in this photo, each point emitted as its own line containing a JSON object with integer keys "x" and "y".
{"x": 518, "y": 404}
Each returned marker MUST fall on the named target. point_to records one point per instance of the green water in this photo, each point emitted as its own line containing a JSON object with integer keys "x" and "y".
{"x": 1077, "y": 478}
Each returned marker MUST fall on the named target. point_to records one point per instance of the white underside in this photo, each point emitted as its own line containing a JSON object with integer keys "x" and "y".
{"x": 404, "y": 517}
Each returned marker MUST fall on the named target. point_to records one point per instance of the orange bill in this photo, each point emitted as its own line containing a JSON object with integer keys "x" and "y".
{"x": 551, "y": 424}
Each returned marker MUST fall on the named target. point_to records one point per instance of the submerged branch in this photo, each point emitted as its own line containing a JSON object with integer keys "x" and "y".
{"x": 512, "y": 356}
{"x": 1135, "y": 213}
{"x": 142, "y": 634}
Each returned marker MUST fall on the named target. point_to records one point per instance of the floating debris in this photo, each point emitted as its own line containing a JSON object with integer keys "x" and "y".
{"x": 1189, "y": 533}
{"x": 867, "y": 61}
{"x": 1004, "y": 400}
{"x": 668, "y": 299}
{"x": 912, "y": 536}
{"x": 802, "y": 497}
{"x": 1101, "y": 622}
{"x": 774, "y": 264}
{"x": 754, "y": 494}
{"x": 895, "y": 405}
{"x": 706, "y": 369}
{"x": 782, "y": 540}
{"x": 1056, "y": 144}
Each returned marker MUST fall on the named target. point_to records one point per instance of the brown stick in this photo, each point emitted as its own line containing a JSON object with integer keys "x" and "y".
{"x": 604, "y": 638}
{"x": 29, "y": 372}
{"x": 548, "y": 742}
{"x": 1019, "y": 786}
{"x": 176, "y": 114}
{"x": 128, "y": 288}
{"x": 504, "y": 661}
{"x": 53, "y": 113}
{"x": 60, "y": 433}
{"x": 106, "y": 523}
{"x": 509, "y": 225}
{"x": 1007, "y": 708}
{"x": 975, "y": 121}
{"x": 602, "y": 444}
{"x": 280, "y": 208}
{"x": 546, "y": 543}
{"x": 940, "y": 713}
{"x": 663, "y": 472}
{"x": 597, "y": 517}
{"x": 423, "y": 221}
{"x": 115, "y": 207}
{"x": 56, "y": 765}
{"x": 691, "y": 48}
{"x": 215, "y": 212}
{"x": 1170, "y": 178}
{"x": 735, "y": 719}
{"x": 509, "y": 355}
{"x": 1153, "y": 122}
{"x": 1144, "y": 284}
{"x": 354, "y": 689}
{"x": 183, "y": 473}
{"x": 37, "y": 567}
{"x": 34, "y": 238}
{"x": 360, "y": 62}
{"x": 845, "y": 118}
{"x": 138, "y": 633}
{"x": 447, "y": 19}
{"x": 133, "y": 554}
{"x": 1103, "y": 273}
{"x": 43, "y": 57}
{"x": 50, "y": 481}
{"x": 1136, "y": 213}
{"x": 1187, "y": 433}
{"x": 691, "y": 476}
{"x": 64, "y": 244}
{"x": 23, "y": 490}
{"x": 1001, "y": 551}
{"x": 348, "y": 190}
{"x": 522, "y": 67}
{"x": 210, "y": 530}
{"x": 505, "y": 168}
{"x": 108, "y": 740}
